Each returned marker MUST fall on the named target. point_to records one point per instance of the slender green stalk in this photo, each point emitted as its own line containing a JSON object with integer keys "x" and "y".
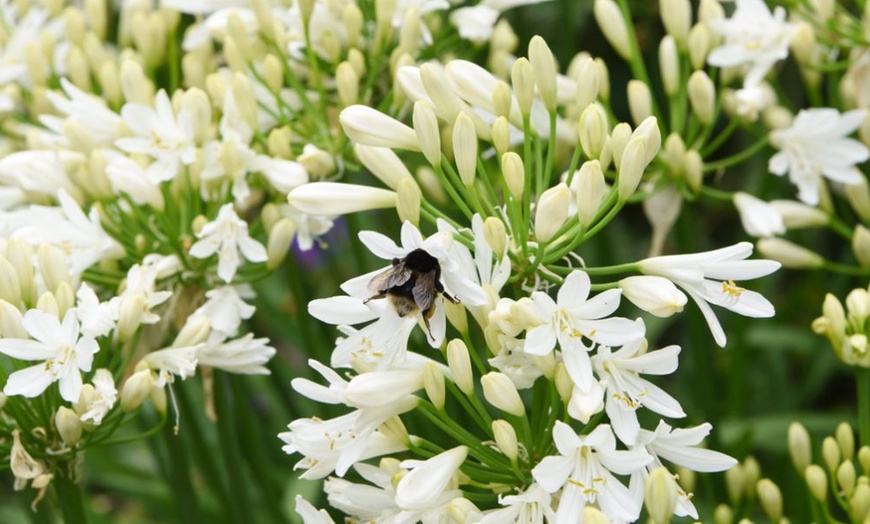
{"x": 178, "y": 474}
{"x": 738, "y": 157}
{"x": 229, "y": 445}
{"x": 69, "y": 494}
{"x": 862, "y": 379}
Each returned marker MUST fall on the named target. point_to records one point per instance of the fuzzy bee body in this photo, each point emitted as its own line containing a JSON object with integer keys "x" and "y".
{"x": 411, "y": 285}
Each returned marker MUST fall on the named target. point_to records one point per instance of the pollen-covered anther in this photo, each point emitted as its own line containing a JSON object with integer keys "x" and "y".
{"x": 730, "y": 288}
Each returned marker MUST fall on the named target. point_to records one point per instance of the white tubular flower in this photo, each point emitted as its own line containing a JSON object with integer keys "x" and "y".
{"x": 38, "y": 171}
{"x": 709, "y": 278}
{"x": 584, "y": 470}
{"x": 333, "y": 198}
{"x": 816, "y": 145}
{"x": 102, "y": 124}
{"x": 571, "y": 317}
{"x": 141, "y": 286}
{"x": 310, "y": 514}
{"x": 754, "y": 38}
{"x": 225, "y": 308}
{"x": 430, "y": 483}
{"x": 759, "y": 218}
{"x": 227, "y": 235}
{"x": 245, "y": 355}
{"x": 170, "y": 363}
{"x": 680, "y": 447}
{"x": 100, "y": 398}
{"x": 375, "y": 389}
{"x": 532, "y": 506}
{"x": 656, "y": 295}
{"x": 127, "y": 176}
{"x": 369, "y": 127}
{"x": 475, "y": 23}
{"x": 61, "y": 348}
{"x": 161, "y": 134}
{"x": 627, "y": 391}
{"x": 97, "y": 318}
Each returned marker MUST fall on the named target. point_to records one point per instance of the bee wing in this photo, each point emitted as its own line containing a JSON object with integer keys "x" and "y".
{"x": 424, "y": 290}
{"x": 392, "y": 277}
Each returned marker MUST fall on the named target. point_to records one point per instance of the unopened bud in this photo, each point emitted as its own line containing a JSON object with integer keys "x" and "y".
{"x": 799, "y": 446}
{"x": 723, "y": 514}
{"x": 564, "y": 384}
{"x": 501, "y": 393}
{"x": 831, "y": 453}
{"x": 505, "y": 438}
{"x": 52, "y": 266}
{"x": 817, "y": 481}
{"x": 790, "y": 255}
{"x": 68, "y": 425}
{"x": 859, "y": 504}
{"x": 844, "y": 434}
{"x": 591, "y": 188}
{"x": 10, "y": 289}
{"x": 603, "y": 79}
{"x": 803, "y": 43}
{"x": 514, "y": 173}
{"x": 864, "y": 459}
{"x": 669, "y": 65}
{"x": 11, "y": 325}
{"x": 614, "y": 26}
{"x": 495, "y": 235}
{"x": 861, "y": 245}
{"x": 846, "y": 477}
{"x": 280, "y": 238}
{"x": 433, "y": 383}
{"x": 65, "y": 298}
{"x": 544, "y": 68}
{"x": 135, "y": 86}
{"x": 702, "y": 96}
{"x": 136, "y": 389}
{"x": 465, "y": 148}
{"x": 353, "y": 20}
{"x": 639, "y": 101}
{"x": 459, "y": 362}
{"x": 502, "y": 99}
{"x": 130, "y": 316}
{"x": 660, "y": 495}
{"x": 693, "y": 169}
{"x": 408, "y": 201}
{"x": 631, "y": 167}
{"x": 735, "y": 481}
{"x": 676, "y": 16}
{"x": 619, "y": 138}
{"x": 593, "y": 130}
{"x": 551, "y": 211}
{"x": 699, "y": 45}
{"x": 501, "y": 135}
{"x": 858, "y": 196}
{"x": 347, "y": 83}
{"x": 523, "y": 80}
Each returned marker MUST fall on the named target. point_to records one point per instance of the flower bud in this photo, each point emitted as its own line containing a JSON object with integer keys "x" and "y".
{"x": 858, "y": 196}
{"x": 790, "y": 255}
{"x": 699, "y": 45}
{"x": 501, "y": 393}
{"x": 831, "y": 453}
{"x": 68, "y": 425}
{"x": 669, "y": 64}
{"x": 751, "y": 475}
{"x": 333, "y": 198}
{"x": 135, "y": 86}
{"x": 52, "y": 266}
{"x": 523, "y": 81}
{"x": 631, "y": 167}
{"x": 710, "y": 10}
{"x": 368, "y": 126}
{"x": 676, "y": 16}
{"x": 861, "y": 245}
{"x": 465, "y": 148}
{"x": 723, "y": 514}
{"x": 770, "y": 498}
{"x": 590, "y": 188}
{"x": 702, "y": 96}
{"x": 551, "y": 211}
{"x": 844, "y": 434}
{"x": 803, "y": 43}
{"x": 799, "y": 446}
{"x": 693, "y": 170}
{"x": 136, "y": 389}
{"x": 456, "y": 316}
{"x": 384, "y": 164}
{"x": 501, "y": 135}
{"x": 735, "y": 481}
{"x": 514, "y": 173}
{"x": 433, "y": 383}
{"x": 130, "y": 316}
{"x": 619, "y": 137}
{"x": 408, "y": 201}
{"x": 649, "y": 131}
{"x": 65, "y": 298}
{"x": 96, "y": 16}
{"x": 428, "y": 132}
{"x": 10, "y": 289}
{"x": 495, "y": 235}
{"x": 593, "y": 515}
{"x": 587, "y": 83}
{"x": 846, "y": 477}
{"x": 656, "y": 295}
{"x": 505, "y": 438}
{"x": 347, "y": 84}
{"x": 544, "y": 69}
{"x": 660, "y": 495}
{"x": 614, "y": 26}
{"x": 639, "y": 100}
{"x": 459, "y": 362}
{"x": 280, "y": 238}
{"x": 603, "y": 79}
{"x": 11, "y": 325}
{"x": 673, "y": 154}
{"x": 817, "y": 481}
{"x": 859, "y": 504}
{"x": 460, "y": 509}
{"x": 593, "y": 130}
{"x": 353, "y": 20}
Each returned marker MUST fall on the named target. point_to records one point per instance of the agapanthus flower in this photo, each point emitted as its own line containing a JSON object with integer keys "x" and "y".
{"x": 225, "y": 308}
{"x": 532, "y": 506}
{"x": 227, "y": 235}
{"x": 245, "y": 355}
{"x": 816, "y": 145}
{"x": 429, "y": 485}
{"x": 97, "y": 399}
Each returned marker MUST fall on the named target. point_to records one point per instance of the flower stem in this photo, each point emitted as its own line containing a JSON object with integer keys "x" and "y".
{"x": 69, "y": 494}
{"x": 738, "y": 157}
{"x": 862, "y": 379}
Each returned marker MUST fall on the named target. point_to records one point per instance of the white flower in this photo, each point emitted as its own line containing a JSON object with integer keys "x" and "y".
{"x": 65, "y": 354}
{"x": 308, "y": 226}
{"x": 128, "y": 176}
{"x": 171, "y": 362}
{"x": 627, "y": 391}
{"x": 530, "y": 507}
{"x": 227, "y": 235}
{"x": 709, "y": 278}
{"x": 754, "y": 38}
{"x": 85, "y": 109}
{"x": 571, "y": 318}
{"x": 97, "y": 318}
{"x": 522, "y": 368}
{"x": 475, "y": 23}
{"x": 367, "y": 503}
{"x": 310, "y": 514}
{"x": 161, "y": 134}
{"x": 38, "y": 171}
{"x": 759, "y": 218}
{"x": 245, "y": 355}
{"x": 225, "y": 308}
{"x": 584, "y": 469}
{"x": 374, "y": 389}
{"x": 141, "y": 285}
{"x": 430, "y": 483}
{"x": 101, "y": 401}
{"x": 752, "y": 100}
{"x": 815, "y": 146}
{"x": 655, "y": 295}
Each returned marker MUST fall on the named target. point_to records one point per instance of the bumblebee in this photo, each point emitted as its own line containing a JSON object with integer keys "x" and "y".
{"x": 411, "y": 285}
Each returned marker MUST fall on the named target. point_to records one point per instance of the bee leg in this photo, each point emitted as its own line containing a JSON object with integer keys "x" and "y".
{"x": 450, "y": 297}
{"x": 426, "y": 323}
{"x": 375, "y": 297}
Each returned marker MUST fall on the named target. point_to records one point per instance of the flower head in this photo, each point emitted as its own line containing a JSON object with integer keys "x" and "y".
{"x": 227, "y": 235}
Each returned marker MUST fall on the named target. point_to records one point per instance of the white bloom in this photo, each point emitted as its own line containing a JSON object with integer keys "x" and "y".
{"x": 38, "y": 171}
{"x": 171, "y": 362}
{"x": 128, "y": 176}
{"x": 522, "y": 368}
{"x": 759, "y": 218}
{"x": 161, "y": 134}
{"x": 709, "y": 278}
{"x": 102, "y": 400}
{"x": 475, "y": 23}
{"x": 64, "y": 351}
{"x": 754, "y": 38}
{"x": 655, "y": 295}
{"x": 816, "y": 145}
{"x": 227, "y": 235}
{"x": 225, "y": 308}
{"x": 85, "y": 109}
{"x": 530, "y": 507}
{"x": 310, "y": 514}
{"x": 627, "y": 391}
{"x": 374, "y": 389}
{"x": 367, "y": 503}
{"x": 97, "y": 318}
{"x": 334, "y": 198}
{"x": 309, "y": 227}
{"x": 245, "y": 355}
{"x": 752, "y": 100}
{"x": 584, "y": 469}
{"x": 430, "y": 481}
{"x": 141, "y": 285}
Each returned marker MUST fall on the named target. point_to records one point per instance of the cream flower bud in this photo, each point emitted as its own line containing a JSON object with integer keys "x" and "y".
{"x": 501, "y": 393}
{"x": 861, "y": 245}
{"x": 431, "y": 185}
{"x": 333, "y": 198}
{"x": 501, "y": 135}
{"x": 136, "y": 389}
{"x": 702, "y": 96}
{"x": 195, "y": 331}
{"x": 459, "y": 362}
{"x": 650, "y": 132}
{"x": 461, "y": 509}
{"x": 669, "y": 65}
{"x": 656, "y": 295}
{"x": 723, "y": 514}
{"x": 384, "y": 164}
{"x": 65, "y": 298}
{"x": 845, "y": 435}
{"x": 18, "y": 253}
{"x": 428, "y": 132}
{"x": 693, "y": 169}
{"x": 797, "y": 215}
{"x": 817, "y": 481}
{"x": 77, "y": 67}
{"x": 410, "y": 32}
{"x": 465, "y": 148}
{"x": 96, "y": 15}
{"x": 551, "y": 212}
{"x": 799, "y": 446}
{"x": 591, "y": 188}
{"x": 502, "y": 99}
{"x": 368, "y": 126}
{"x": 52, "y": 266}
{"x": 245, "y": 98}
{"x": 564, "y": 384}
{"x": 631, "y": 167}
{"x": 11, "y": 325}
{"x": 587, "y": 82}
{"x": 603, "y": 79}
{"x": 803, "y": 43}
{"x": 523, "y": 80}
{"x": 858, "y": 196}
{"x": 514, "y": 173}
{"x": 495, "y": 235}
{"x": 831, "y": 453}
{"x": 505, "y": 438}
{"x": 68, "y": 425}
{"x": 353, "y": 20}
{"x": 660, "y": 495}
{"x": 846, "y": 477}
{"x": 347, "y": 84}
{"x": 614, "y": 26}
{"x": 676, "y": 16}
{"x": 544, "y": 68}
{"x": 47, "y": 303}
{"x": 619, "y": 137}
{"x": 735, "y": 482}
{"x": 110, "y": 82}
{"x": 639, "y": 100}
{"x": 752, "y": 474}
{"x": 860, "y": 502}
{"x": 710, "y": 10}
{"x": 10, "y": 290}
{"x": 408, "y": 200}
{"x": 593, "y": 130}
{"x": 130, "y": 316}
{"x": 456, "y": 316}
{"x": 673, "y": 154}
{"x": 433, "y": 383}
{"x": 790, "y": 255}
{"x": 770, "y": 498}
{"x": 699, "y": 45}
{"x": 280, "y": 238}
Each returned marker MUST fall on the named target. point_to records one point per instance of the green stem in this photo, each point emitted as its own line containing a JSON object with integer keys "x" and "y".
{"x": 229, "y": 444}
{"x": 178, "y": 473}
{"x": 862, "y": 379}
{"x": 739, "y": 157}
{"x": 69, "y": 494}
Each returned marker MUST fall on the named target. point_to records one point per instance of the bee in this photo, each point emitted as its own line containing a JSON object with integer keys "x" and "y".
{"x": 411, "y": 285}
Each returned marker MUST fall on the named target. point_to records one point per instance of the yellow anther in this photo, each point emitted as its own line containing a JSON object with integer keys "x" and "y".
{"x": 730, "y": 288}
